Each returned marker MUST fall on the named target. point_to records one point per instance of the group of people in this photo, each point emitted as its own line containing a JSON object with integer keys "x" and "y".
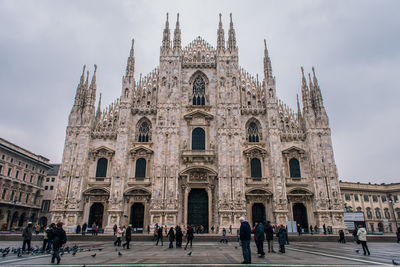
{"x": 261, "y": 232}
{"x": 54, "y": 238}
{"x": 121, "y": 232}
{"x": 174, "y": 234}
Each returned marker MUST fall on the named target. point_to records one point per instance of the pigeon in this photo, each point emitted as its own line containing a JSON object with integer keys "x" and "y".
{"x": 94, "y": 255}
{"x": 119, "y": 253}
{"x": 88, "y": 249}
{"x": 74, "y": 253}
{"x": 357, "y": 250}
{"x": 395, "y": 262}
{"x": 190, "y": 253}
{"x": 19, "y": 255}
{"x": 100, "y": 249}
{"x": 235, "y": 247}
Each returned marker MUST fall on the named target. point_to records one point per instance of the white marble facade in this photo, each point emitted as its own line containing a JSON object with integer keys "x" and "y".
{"x": 154, "y": 121}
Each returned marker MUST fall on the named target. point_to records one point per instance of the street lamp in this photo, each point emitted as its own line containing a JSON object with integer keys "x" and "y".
{"x": 12, "y": 214}
{"x": 392, "y": 203}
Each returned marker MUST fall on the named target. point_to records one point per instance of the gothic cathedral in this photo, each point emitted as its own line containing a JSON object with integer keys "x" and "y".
{"x": 198, "y": 141}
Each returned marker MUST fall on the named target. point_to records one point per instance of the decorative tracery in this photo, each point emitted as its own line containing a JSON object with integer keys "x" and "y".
{"x": 144, "y": 132}
{"x": 252, "y": 133}
{"x": 199, "y": 89}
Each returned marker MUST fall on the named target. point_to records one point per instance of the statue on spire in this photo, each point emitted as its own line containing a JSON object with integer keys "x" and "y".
{"x": 177, "y": 35}
{"x": 220, "y": 36}
{"x": 232, "y": 36}
{"x": 166, "y": 43}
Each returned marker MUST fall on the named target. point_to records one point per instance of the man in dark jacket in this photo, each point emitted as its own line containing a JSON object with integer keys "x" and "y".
{"x": 189, "y": 236}
{"x": 282, "y": 234}
{"x": 260, "y": 239}
{"x": 178, "y": 236}
{"x": 27, "y": 236}
{"x": 128, "y": 237}
{"x": 269, "y": 234}
{"x": 245, "y": 237}
{"x": 84, "y": 228}
{"x": 60, "y": 238}
{"x": 160, "y": 236}
{"x": 398, "y": 234}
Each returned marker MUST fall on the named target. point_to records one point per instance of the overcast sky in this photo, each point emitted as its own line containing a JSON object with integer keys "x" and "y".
{"x": 354, "y": 46}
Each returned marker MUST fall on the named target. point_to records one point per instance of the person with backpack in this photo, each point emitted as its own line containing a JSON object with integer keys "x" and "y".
{"x": 27, "y": 236}
{"x": 60, "y": 238}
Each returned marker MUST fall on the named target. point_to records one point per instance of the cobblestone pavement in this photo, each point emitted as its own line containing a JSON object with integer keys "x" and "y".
{"x": 212, "y": 254}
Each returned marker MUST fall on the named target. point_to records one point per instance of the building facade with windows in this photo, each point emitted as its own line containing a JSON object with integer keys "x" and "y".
{"x": 49, "y": 189}
{"x": 379, "y": 204}
{"x": 21, "y": 185}
{"x": 198, "y": 141}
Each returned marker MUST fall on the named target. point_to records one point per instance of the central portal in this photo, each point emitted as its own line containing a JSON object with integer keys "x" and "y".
{"x": 198, "y": 208}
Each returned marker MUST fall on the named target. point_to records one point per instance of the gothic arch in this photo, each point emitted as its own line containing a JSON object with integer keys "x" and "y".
{"x": 253, "y": 130}
{"x": 194, "y": 168}
{"x": 197, "y": 74}
{"x": 258, "y": 191}
{"x": 300, "y": 191}
{"x": 137, "y": 191}
{"x": 96, "y": 191}
{"x": 143, "y": 130}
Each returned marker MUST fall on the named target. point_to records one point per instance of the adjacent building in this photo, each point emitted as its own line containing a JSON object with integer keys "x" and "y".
{"x": 49, "y": 189}
{"x": 378, "y": 203}
{"x": 201, "y": 141}
{"x": 21, "y": 185}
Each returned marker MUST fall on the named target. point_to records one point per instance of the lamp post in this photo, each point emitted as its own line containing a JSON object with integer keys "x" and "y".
{"x": 12, "y": 214}
{"x": 392, "y": 203}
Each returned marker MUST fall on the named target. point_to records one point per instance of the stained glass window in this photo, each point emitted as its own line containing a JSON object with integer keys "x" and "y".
{"x": 144, "y": 132}
{"x": 199, "y": 89}
{"x": 253, "y": 136}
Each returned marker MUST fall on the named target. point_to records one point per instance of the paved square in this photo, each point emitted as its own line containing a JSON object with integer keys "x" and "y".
{"x": 212, "y": 254}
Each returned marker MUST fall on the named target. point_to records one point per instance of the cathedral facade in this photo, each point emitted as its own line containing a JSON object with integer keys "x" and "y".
{"x": 198, "y": 141}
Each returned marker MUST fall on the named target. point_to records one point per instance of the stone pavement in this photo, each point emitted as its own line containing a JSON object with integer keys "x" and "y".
{"x": 212, "y": 254}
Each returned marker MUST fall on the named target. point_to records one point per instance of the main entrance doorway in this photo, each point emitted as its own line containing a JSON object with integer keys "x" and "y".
{"x": 300, "y": 215}
{"x": 137, "y": 217}
{"x": 198, "y": 208}
{"x": 96, "y": 215}
{"x": 258, "y": 213}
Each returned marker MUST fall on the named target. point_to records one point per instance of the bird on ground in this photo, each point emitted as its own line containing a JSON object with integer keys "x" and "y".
{"x": 19, "y": 255}
{"x": 235, "y": 247}
{"x": 190, "y": 253}
{"x": 395, "y": 262}
{"x": 94, "y": 255}
{"x": 74, "y": 253}
{"x": 119, "y": 253}
{"x": 100, "y": 249}
{"x": 357, "y": 250}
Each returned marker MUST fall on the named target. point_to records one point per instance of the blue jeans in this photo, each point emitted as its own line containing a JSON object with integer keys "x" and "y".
{"x": 246, "y": 251}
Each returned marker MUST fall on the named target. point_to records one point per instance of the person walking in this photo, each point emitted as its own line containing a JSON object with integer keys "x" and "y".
{"x": 27, "y": 237}
{"x": 355, "y": 235}
{"x": 299, "y": 229}
{"x": 282, "y": 234}
{"x": 178, "y": 236}
{"x": 84, "y": 228}
{"x": 128, "y": 237}
{"x": 341, "y": 237}
{"x": 362, "y": 236}
{"x": 189, "y": 236}
{"x": 118, "y": 241}
{"x": 230, "y": 229}
{"x": 115, "y": 228}
{"x": 398, "y": 234}
{"x": 45, "y": 240}
{"x": 171, "y": 237}
{"x": 245, "y": 237}
{"x": 316, "y": 229}
{"x": 224, "y": 239}
{"x": 160, "y": 235}
{"x": 50, "y": 235}
{"x": 269, "y": 235}
{"x": 60, "y": 238}
{"x": 148, "y": 229}
{"x": 311, "y": 230}
{"x": 324, "y": 227}
{"x": 260, "y": 240}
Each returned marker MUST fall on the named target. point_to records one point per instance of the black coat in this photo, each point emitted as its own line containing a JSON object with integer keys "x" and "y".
{"x": 178, "y": 235}
{"x": 245, "y": 231}
{"x": 60, "y": 237}
{"x": 269, "y": 232}
{"x": 171, "y": 235}
{"x": 190, "y": 233}
{"x": 159, "y": 232}
{"x": 282, "y": 234}
{"x": 128, "y": 233}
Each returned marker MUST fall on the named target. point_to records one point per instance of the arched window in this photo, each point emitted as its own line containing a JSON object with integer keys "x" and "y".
{"x": 378, "y": 213}
{"x": 369, "y": 213}
{"x": 198, "y": 139}
{"x": 387, "y": 214}
{"x": 101, "y": 170}
{"x": 144, "y": 132}
{"x": 252, "y": 133}
{"x": 294, "y": 168}
{"x": 140, "y": 170}
{"x": 255, "y": 168}
{"x": 199, "y": 89}
{"x": 37, "y": 195}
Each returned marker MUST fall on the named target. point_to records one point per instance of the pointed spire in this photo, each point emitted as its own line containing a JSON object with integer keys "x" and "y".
{"x": 267, "y": 64}
{"x": 298, "y": 106}
{"x": 166, "y": 43}
{"x": 130, "y": 66}
{"x": 93, "y": 87}
{"x": 304, "y": 91}
{"x": 220, "y": 35}
{"x": 177, "y": 34}
{"x": 83, "y": 75}
{"x": 98, "y": 112}
{"x": 232, "y": 36}
{"x": 317, "y": 89}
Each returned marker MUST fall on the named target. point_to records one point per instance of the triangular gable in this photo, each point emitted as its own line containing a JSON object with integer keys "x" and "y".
{"x": 256, "y": 149}
{"x": 198, "y": 113}
{"x": 141, "y": 149}
{"x": 294, "y": 148}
